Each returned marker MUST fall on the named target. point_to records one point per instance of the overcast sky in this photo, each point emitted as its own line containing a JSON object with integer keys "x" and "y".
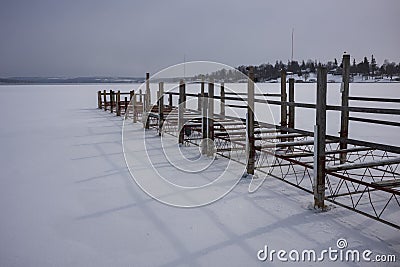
{"x": 128, "y": 38}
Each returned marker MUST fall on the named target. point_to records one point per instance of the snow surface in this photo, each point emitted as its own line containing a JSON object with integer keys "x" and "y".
{"x": 67, "y": 199}
{"x": 331, "y": 78}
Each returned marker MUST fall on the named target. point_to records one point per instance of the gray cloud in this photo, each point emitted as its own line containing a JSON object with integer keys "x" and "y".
{"x": 70, "y": 38}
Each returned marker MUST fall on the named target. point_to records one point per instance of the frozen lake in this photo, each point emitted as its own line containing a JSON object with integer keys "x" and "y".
{"x": 67, "y": 198}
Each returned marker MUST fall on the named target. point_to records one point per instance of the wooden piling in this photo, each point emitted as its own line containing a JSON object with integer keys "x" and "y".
{"x": 344, "y": 118}
{"x": 210, "y": 117}
{"x": 105, "y": 99}
{"x": 133, "y": 105}
{"x": 131, "y": 94}
{"x": 118, "y": 103}
{"x": 199, "y": 102}
{"x": 181, "y": 111}
{"x": 202, "y": 86}
{"x": 126, "y": 105}
{"x": 222, "y": 108}
{"x": 147, "y": 96}
{"x": 170, "y": 103}
{"x": 204, "y": 121}
{"x": 99, "y": 99}
{"x": 250, "y": 144}
{"x": 283, "y": 103}
{"x": 202, "y": 91}
{"x": 184, "y": 99}
{"x": 291, "y": 108}
{"x": 319, "y": 140}
{"x": 146, "y": 103}
{"x": 160, "y": 107}
{"x": 111, "y": 100}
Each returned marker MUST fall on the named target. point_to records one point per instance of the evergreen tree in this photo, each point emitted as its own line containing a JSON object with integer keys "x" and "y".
{"x": 303, "y": 65}
{"x": 365, "y": 68}
{"x": 353, "y": 68}
{"x": 310, "y": 65}
{"x": 267, "y": 71}
{"x": 373, "y": 65}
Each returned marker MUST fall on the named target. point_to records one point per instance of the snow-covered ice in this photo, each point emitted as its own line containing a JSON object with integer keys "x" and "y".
{"x": 67, "y": 199}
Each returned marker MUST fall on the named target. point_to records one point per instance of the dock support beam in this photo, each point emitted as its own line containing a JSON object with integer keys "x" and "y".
{"x": 147, "y": 94}
{"x": 199, "y": 102}
{"x": 344, "y": 118}
{"x": 210, "y": 123}
{"x": 250, "y": 146}
{"x": 204, "y": 121}
{"x": 283, "y": 103}
{"x": 160, "y": 107}
{"x": 181, "y": 110}
{"x": 170, "y": 101}
{"x": 222, "y": 109}
{"x": 125, "y": 106}
{"x": 146, "y": 104}
{"x": 105, "y": 100}
{"x": 319, "y": 140}
{"x": 202, "y": 86}
{"x": 133, "y": 104}
{"x": 201, "y": 98}
{"x": 111, "y": 100}
{"x": 118, "y": 103}
{"x": 99, "y": 99}
{"x": 291, "y": 108}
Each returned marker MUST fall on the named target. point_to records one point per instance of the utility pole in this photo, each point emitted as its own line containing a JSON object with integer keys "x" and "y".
{"x": 292, "y": 43}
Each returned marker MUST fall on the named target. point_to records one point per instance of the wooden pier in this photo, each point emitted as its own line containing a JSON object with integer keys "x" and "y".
{"x": 358, "y": 175}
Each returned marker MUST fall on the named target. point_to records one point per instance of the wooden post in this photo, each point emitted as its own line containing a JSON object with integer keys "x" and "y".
{"x": 126, "y": 105}
{"x": 184, "y": 99}
{"x": 291, "y": 100}
{"x": 132, "y": 100}
{"x": 210, "y": 123}
{"x": 160, "y": 108}
{"x": 319, "y": 140}
{"x": 146, "y": 103}
{"x": 170, "y": 100}
{"x": 181, "y": 111}
{"x": 148, "y": 95}
{"x": 202, "y": 86}
{"x": 142, "y": 105}
{"x": 133, "y": 105}
{"x": 202, "y": 90}
{"x": 204, "y": 121}
{"x": 105, "y": 99}
{"x": 111, "y": 100}
{"x": 250, "y": 146}
{"x": 118, "y": 103}
{"x": 201, "y": 95}
{"x": 344, "y": 119}
{"x": 283, "y": 105}
{"x": 99, "y": 99}
{"x": 222, "y": 111}
{"x": 199, "y": 102}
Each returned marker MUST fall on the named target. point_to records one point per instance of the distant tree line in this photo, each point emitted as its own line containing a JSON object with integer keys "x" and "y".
{"x": 368, "y": 69}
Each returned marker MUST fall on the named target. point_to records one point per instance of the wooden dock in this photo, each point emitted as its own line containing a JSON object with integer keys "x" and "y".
{"x": 358, "y": 175}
